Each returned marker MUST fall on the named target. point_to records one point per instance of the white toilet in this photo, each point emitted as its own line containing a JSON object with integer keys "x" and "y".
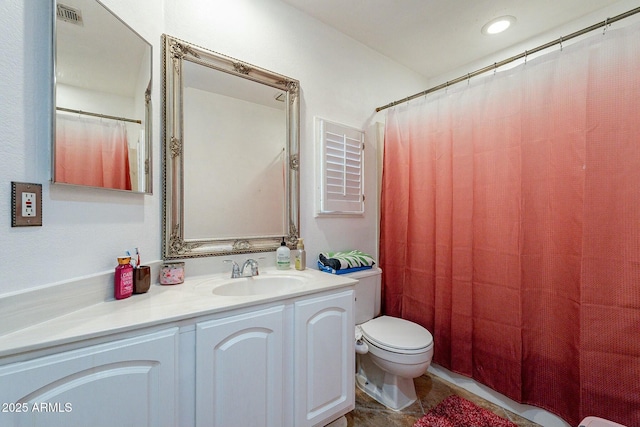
{"x": 391, "y": 352}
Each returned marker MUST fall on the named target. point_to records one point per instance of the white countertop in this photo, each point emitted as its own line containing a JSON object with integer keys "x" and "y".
{"x": 161, "y": 304}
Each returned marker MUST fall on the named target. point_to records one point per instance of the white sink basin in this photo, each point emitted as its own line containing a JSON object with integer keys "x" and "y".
{"x": 258, "y": 285}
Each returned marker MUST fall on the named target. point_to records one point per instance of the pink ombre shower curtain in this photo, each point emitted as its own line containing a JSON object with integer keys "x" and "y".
{"x": 510, "y": 227}
{"x": 92, "y": 152}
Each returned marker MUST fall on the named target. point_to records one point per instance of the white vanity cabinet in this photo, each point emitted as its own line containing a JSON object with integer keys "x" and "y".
{"x": 324, "y": 358}
{"x": 178, "y": 359}
{"x": 277, "y": 366}
{"x": 123, "y": 382}
{"x": 240, "y": 369}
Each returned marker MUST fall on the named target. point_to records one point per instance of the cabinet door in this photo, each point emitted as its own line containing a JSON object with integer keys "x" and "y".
{"x": 324, "y": 358}
{"x": 129, "y": 382}
{"x": 239, "y": 370}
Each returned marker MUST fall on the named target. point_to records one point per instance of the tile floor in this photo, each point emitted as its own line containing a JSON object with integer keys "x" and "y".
{"x": 431, "y": 390}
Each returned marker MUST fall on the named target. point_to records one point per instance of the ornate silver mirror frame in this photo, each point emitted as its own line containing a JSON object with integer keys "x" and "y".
{"x": 175, "y": 243}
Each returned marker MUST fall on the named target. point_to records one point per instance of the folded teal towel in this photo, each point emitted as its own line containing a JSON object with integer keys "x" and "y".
{"x": 346, "y": 259}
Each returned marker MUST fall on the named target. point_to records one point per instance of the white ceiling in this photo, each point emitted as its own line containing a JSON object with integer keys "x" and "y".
{"x": 433, "y": 37}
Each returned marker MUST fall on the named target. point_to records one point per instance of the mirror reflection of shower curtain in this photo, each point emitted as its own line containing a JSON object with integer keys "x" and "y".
{"x": 91, "y": 152}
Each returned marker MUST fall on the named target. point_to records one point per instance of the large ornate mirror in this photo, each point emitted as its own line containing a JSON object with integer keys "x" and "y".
{"x": 231, "y": 141}
{"x": 102, "y": 118}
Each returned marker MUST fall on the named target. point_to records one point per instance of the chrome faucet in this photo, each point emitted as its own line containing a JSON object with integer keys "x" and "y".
{"x": 237, "y": 272}
{"x": 254, "y": 267}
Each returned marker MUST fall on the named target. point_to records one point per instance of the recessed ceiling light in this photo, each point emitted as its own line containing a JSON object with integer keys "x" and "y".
{"x": 498, "y": 25}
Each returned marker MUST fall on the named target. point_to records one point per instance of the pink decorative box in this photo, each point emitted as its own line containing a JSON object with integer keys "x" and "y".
{"x": 172, "y": 273}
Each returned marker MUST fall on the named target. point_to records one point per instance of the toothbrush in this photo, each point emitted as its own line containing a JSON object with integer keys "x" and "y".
{"x": 137, "y": 258}
{"x": 131, "y": 261}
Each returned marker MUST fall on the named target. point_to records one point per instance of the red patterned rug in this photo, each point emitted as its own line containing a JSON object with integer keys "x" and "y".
{"x": 455, "y": 411}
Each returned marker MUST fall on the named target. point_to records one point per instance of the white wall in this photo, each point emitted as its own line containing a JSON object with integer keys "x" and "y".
{"x": 341, "y": 80}
{"x": 85, "y": 229}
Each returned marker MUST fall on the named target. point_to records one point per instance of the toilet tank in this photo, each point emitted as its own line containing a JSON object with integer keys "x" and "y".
{"x": 368, "y": 293}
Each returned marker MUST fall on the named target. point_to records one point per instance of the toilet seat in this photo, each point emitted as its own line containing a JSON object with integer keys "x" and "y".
{"x": 397, "y": 335}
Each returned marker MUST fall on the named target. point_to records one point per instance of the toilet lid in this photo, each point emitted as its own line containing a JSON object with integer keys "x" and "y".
{"x": 396, "y": 334}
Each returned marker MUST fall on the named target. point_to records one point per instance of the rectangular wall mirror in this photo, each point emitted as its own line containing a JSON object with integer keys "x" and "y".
{"x": 102, "y": 118}
{"x": 231, "y": 154}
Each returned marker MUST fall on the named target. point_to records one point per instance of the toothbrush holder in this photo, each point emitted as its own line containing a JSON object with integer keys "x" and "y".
{"x": 141, "y": 279}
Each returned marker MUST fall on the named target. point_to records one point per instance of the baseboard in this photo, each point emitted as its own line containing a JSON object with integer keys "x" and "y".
{"x": 532, "y": 413}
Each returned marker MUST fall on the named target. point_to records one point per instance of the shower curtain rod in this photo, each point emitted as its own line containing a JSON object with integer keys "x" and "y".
{"x": 103, "y": 116}
{"x": 495, "y": 65}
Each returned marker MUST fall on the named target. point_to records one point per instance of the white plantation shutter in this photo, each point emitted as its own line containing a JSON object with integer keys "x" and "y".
{"x": 341, "y": 169}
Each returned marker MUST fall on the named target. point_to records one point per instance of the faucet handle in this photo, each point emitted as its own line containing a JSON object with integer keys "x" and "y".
{"x": 262, "y": 258}
{"x": 235, "y": 270}
{"x": 254, "y": 268}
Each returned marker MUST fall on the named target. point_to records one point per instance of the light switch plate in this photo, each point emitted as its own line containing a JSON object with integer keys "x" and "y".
{"x": 26, "y": 204}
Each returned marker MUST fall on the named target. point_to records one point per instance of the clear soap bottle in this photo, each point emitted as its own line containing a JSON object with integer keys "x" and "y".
{"x": 283, "y": 257}
{"x": 301, "y": 256}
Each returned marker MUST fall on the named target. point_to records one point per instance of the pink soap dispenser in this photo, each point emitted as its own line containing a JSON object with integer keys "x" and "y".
{"x": 123, "y": 278}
